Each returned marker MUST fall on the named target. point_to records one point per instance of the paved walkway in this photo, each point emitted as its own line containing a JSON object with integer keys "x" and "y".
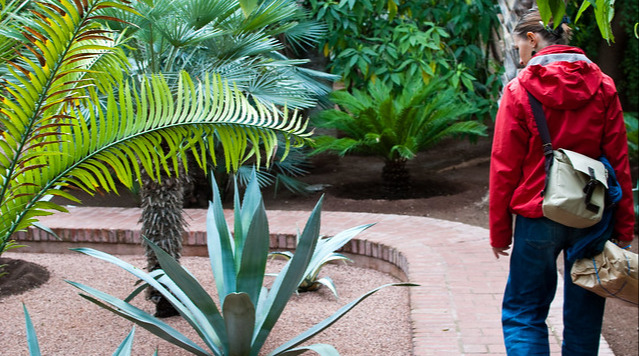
{"x": 455, "y": 310}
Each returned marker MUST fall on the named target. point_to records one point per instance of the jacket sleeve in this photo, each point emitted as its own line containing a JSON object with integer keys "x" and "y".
{"x": 508, "y": 151}
{"x": 615, "y": 148}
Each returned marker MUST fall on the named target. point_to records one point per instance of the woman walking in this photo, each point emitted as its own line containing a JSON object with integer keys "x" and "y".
{"x": 583, "y": 115}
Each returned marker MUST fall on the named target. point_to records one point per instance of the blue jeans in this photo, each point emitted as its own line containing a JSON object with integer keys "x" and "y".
{"x": 531, "y": 287}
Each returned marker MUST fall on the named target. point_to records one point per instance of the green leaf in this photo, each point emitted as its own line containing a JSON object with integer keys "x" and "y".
{"x": 320, "y": 349}
{"x": 287, "y": 281}
{"x": 46, "y": 229}
{"x": 255, "y": 253}
{"x": 140, "y": 317}
{"x": 239, "y": 316}
{"x": 317, "y": 328}
{"x": 220, "y": 247}
{"x": 32, "y": 339}
{"x": 193, "y": 290}
{"x": 584, "y": 6}
{"x": 125, "y": 347}
{"x": 545, "y": 10}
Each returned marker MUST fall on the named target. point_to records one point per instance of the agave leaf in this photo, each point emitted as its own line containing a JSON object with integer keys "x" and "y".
{"x": 255, "y": 254}
{"x": 192, "y": 289}
{"x": 239, "y": 316}
{"x": 32, "y": 339}
{"x": 328, "y": 282}
{"x": 330, "y": 320}
{"x": 320, "y": 349}
{"x": 244, "y": 216}
{"x": 176, "y": 296}
{"x": 287, "y": 255}
{"x": 220, "y": 247}
{"x": 140, "y": 317}
{"x": 125, "y": 347}
{"x": 155, "y": 274}
{"x": 287, "y": 281}
{"x": 329, "y": 245}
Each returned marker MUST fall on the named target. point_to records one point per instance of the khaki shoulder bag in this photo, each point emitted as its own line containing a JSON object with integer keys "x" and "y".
{"x": 576, "y": 184}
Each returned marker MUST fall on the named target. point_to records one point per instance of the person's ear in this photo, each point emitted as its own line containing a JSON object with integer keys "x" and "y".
{"x": 532, "y": 39}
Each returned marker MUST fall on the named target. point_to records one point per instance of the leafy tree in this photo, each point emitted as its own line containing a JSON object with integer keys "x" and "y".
{"x": 396, "y": 125}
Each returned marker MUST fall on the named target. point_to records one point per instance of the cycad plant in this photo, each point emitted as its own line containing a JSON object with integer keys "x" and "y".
{"x": 396, "y": 124}
{"x": 246, "y": 311}
{"x": 68, "y": 117}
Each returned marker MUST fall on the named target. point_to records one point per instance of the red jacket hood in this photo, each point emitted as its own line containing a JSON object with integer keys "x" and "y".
{"x": 568, "y": 86}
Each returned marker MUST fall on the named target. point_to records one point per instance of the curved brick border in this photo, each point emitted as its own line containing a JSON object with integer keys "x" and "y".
{"x": 455, "y": 310}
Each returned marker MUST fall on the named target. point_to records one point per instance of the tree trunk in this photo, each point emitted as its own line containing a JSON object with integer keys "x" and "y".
{"x": 396, "y": 178}
{"x": 163, "y": 224}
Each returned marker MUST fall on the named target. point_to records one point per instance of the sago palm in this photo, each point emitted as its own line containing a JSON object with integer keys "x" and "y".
{"x": 57, "y": 132}
{"x": 396, "y": 126}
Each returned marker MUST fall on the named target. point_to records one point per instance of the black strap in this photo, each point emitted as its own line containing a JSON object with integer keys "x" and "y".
{"x": 542, "y": 127}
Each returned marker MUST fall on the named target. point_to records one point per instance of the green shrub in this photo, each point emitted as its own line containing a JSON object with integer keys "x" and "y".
{"x": 384, "y": 40}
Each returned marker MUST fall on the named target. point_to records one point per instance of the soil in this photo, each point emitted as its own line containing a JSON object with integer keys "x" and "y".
{"x": 450, "y": 183}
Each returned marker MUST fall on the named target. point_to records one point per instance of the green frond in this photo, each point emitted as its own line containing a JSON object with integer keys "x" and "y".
{"x": 58, "y": 134}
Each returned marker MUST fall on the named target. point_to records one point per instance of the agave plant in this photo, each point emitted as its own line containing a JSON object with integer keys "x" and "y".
{"x": 247, "y": 310}
{"x": 396, "y": 125}
{"x": 34, "y": 346}
{"x": 325, "y": 252}
{"x": 69, "y": 118}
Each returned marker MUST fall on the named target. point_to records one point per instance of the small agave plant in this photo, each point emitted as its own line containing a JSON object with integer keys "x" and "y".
{"x": 324, "y": 253}
{"x": 247, "y": 310}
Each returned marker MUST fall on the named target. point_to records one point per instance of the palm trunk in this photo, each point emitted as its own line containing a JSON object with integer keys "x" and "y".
{"x": 163, "y": 224}
{"x": 396, "y": 178}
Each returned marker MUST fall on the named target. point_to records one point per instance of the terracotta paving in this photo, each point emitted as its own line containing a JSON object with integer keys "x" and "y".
{"x": 455, "y": 310}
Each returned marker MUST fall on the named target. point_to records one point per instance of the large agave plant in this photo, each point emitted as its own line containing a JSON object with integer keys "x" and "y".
{"x": 68, "y": 117}
{"x": 247, "y": 310}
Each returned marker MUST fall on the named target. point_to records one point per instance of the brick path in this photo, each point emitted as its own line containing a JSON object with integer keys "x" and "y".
{"x": 455, "y": 310}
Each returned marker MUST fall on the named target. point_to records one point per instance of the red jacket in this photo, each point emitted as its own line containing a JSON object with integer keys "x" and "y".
{"x": 583, "y": 114}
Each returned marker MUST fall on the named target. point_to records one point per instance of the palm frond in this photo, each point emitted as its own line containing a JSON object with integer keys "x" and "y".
{"x": 56, "y": 134}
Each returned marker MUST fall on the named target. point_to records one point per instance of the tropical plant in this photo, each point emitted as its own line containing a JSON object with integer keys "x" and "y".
{"x": 325, "y": 252}
{"x": 238, "y": 40}
{"x": 68, "y": 118}
{"x": 604, "y": 13}
{"x": 632, "y": 130}
{"x": 623, "y": 55}
{"x": 247, "y": 310}
{"x": 34, "y": 347}
{"x": 7, "y": 9}
{"x": 385, "y": 40}
{"x": 280, "y": 173}
{"x": 395, "y": 125}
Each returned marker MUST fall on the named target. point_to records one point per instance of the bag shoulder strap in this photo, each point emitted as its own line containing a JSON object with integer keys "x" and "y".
{"x": 542, "y": 126}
